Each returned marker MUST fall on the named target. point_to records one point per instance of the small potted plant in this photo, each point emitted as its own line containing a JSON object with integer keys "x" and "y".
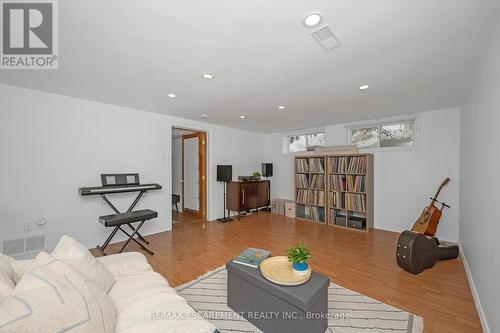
{"x": 298, "y": 256}
{"x": 256, "y": 175}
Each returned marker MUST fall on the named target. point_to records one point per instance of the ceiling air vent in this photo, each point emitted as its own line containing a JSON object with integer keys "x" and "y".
{"x": 326, "y": 38}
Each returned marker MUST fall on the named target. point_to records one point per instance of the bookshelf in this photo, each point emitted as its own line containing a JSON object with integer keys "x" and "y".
{"x": 337, "y": 190}
{"x": 310, "y": 188}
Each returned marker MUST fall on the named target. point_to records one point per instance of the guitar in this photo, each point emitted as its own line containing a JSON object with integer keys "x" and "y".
{"x": 428, "y": 221}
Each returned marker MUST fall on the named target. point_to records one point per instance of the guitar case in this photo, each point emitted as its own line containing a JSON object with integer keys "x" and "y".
{"x": 416, "y": 252}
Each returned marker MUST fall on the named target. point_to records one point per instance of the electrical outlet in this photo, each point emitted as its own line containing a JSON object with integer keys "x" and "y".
{"x": 41, "y": 222}
{"x": 28, "y": 226}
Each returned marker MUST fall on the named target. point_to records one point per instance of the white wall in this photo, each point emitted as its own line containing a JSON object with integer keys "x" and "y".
{"x": 177, "y": 169}
{"x": 480, "y": 199}
{"x": 404, "y": 180}
{"x": 50, "y": 145}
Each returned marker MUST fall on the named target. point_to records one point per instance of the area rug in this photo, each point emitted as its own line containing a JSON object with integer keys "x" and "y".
{"x": 349, "y": 312}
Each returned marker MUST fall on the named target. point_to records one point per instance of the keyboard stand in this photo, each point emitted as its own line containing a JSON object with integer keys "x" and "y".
{"x": 132, "y": 206}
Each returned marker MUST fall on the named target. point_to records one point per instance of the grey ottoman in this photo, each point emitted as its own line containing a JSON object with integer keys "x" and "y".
{"x": 274, "y": 308}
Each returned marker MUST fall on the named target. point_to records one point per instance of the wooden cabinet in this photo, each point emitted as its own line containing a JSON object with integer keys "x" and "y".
{"x": 246, "y": 195}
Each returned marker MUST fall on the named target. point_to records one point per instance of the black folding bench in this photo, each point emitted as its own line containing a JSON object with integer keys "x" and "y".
{"x": 118, "y": 220}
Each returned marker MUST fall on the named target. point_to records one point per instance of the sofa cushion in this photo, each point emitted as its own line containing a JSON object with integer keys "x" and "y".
{"x": 78, "y": 256}
{"x": 125, "y": 264}
{"x": 146, "y": 303}
{"x": 20, "y": 267}
{"x": 54, "y": 297}
{"x": 7, "y": 274}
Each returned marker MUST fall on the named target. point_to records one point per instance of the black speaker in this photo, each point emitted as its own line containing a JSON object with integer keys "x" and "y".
{"x": 267, "y": 169}
{"x": 224, "y": 173}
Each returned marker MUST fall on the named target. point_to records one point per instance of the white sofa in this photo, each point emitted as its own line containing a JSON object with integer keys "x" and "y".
{"x": 143, "y": 299}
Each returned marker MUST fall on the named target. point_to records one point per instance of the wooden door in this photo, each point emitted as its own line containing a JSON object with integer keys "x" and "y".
{"x": 194, "y": 177}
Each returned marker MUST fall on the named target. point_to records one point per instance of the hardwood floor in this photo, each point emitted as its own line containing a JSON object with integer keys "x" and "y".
{"x": 362, "y": 262}
{"x": 184, "y": 217}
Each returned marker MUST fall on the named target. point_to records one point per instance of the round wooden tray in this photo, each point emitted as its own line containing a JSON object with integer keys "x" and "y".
{"x": 279, "y": 270}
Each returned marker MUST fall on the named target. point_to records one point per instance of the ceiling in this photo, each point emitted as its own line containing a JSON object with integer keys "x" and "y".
{"x": 415, "y": 55}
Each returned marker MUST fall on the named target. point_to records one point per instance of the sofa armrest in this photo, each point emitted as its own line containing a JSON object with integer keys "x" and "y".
{"x": 125, "y": 264}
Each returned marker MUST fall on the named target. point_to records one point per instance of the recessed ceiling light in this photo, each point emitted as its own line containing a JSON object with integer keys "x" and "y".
{"x": 243, "y": 116}
{"x": 281, "y": 107}
{"x": 363, "y": 87}
{"x": 181, "y": 133}
{"x": 312, "y": 19}
{"x": 207, "y": 76}
{"x": 172, "y": 95}
{"x": 204, "y": 115}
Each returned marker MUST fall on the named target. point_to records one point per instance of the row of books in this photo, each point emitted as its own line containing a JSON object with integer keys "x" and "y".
{"x": 338, "y": 183}
{"x": 311, "y": 197}
{"x": 317, "y": 165}
{"x": 311, "y": 213}
{"x": 317, "y": 214}
{"x": 356, "y": 183}
{"x": 356, "y": 202}
{"x": 336, "y": 200}
{"x": 302, "y": 165}
{"x": 302, "y": 180}
{"x": 317, "y": 181}
{"x": 348, "y": 164}
{"x": 347, "y": 183}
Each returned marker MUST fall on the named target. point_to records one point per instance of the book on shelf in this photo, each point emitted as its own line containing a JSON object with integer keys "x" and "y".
{"x": 356, "y": 202}
{"x": 311, "y": 197}
{"x": 252, "y": 257}
{"x": 348, "y": 164}
{"x": 337, "y": 200}
{"x": 302, "y": 180}
{"x": 355, "y": 183}
{"x": 317, "y": 182}
{"x": 338, "y": 183}
{"x": 308, "y": 212}
{"x": 356, "y": 164}
{"x": 317, "y": 165}
{"x": 302, "y": 165}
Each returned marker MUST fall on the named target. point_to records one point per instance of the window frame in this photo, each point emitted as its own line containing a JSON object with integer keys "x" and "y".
{"x": 306, "y": 133}
{"x": 382, "y": 123}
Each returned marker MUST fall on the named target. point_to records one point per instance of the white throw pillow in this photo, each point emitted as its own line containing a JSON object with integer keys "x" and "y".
{"x": 54, "y": 297}
{"x": 20, "y": 267}
{"x": 7, "y": 274}
{"x": 77, "y": 256}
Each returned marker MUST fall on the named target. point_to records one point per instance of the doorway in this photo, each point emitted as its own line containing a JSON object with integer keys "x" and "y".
{"x": 189, "y": 178}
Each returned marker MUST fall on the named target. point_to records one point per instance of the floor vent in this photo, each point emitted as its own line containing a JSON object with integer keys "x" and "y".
{"x": 326, "y": 38}
{"x": 21, "y": 247}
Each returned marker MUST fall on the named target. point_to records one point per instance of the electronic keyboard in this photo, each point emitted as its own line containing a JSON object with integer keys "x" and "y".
{"x": 99, "y": 190}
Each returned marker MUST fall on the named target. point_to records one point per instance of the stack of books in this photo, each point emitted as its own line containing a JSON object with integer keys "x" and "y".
{"x": 252, "y": 257}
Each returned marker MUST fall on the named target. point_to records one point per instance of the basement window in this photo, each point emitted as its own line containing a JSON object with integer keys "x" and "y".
{"x": 303, "y": 142}
{"x": 401, "y": 134}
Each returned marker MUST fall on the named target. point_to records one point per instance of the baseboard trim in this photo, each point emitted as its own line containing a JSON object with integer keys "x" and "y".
{"x": 475, "y": 295}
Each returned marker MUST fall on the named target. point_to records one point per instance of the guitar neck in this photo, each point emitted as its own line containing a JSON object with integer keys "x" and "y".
{"x": 439, "y": 191}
